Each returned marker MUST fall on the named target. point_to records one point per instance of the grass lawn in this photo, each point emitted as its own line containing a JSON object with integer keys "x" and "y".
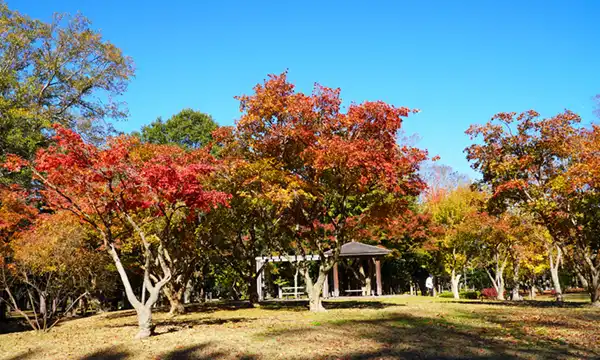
{"x": 399, "y": 327}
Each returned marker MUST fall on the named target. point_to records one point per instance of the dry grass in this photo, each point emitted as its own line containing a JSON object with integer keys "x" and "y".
{"x": 392, "y": 328}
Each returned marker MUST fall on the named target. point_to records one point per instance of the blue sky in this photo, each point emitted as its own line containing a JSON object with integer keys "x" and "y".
{"x": 458, "y": 61}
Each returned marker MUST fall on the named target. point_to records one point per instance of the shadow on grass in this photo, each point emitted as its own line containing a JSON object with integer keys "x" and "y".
{"x": 526, "y": 303}
{"x": 108, "y": 354}
{"x": 13, "y": 325}
{"x": 31, "y": 354}
{"x": 119, "y": 314}
{"x": 173, "y": 325}
{"x": 195, "y": 352}
{"x": 404, "y": 336}
{"x": 302, "y": 305}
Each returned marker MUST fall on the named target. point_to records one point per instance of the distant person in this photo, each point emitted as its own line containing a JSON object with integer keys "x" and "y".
{"x": 429, "y": 285}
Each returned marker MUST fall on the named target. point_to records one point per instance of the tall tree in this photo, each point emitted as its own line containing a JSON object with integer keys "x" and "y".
{"x": 125, "y": 186}
{"x": 58, "y": 72}
{"x": 453, "y": 212}
{"x": 189, "y": 129}
{"x": 254, "y": 223}
{"x": 349, "y": 164}
{"x": 532, "y": 163}
{"x": 583, "y": 186}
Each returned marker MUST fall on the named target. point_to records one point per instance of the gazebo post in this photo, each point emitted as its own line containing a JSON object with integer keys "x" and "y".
{"x": 378, "y": 276}
{"x": 326, "y": 286}
{"x": 336, "y": 281}
{"x": 259, "y": 288}
{"x": 296, "y": 284}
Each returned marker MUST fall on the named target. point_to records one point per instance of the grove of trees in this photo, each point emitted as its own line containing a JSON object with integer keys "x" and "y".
{"x": 90, "y": 218}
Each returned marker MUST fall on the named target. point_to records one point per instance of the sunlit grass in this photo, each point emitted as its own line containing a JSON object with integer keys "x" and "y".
{"x": 385, "y": 328}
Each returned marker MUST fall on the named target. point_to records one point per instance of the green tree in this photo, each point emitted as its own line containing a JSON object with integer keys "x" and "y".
{"x": 452, "y": 212}
{"x": 189, "y": 129}
{"x": 58, "y": 72}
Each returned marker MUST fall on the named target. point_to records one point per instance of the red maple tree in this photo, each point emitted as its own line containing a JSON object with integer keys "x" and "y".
{"x": 351, "y": 169}
{"x": 118, "y": 190}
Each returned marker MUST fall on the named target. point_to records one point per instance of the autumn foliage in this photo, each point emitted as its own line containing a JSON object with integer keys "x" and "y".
{"x": 352, "y": 170}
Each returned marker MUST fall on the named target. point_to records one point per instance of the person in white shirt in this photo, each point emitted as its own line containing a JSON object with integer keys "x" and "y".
{"x": 429, "y": 285}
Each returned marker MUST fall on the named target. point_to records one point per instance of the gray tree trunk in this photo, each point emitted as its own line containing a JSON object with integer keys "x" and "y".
{"x": 145, "y": 326}
{"x": 314, "y": 289}
{"x": 143, "y": 310}
{"x": 175, "y": 297}
{"x": 594, "y": 289}
{"x": 516, "y": 287}
{"x": 366, "y": 279}
{"x": 555, "y": 263}
{"x": 455, "y": 281}
{"x": 43, "y": 306}
{"x": 532, "y": 292}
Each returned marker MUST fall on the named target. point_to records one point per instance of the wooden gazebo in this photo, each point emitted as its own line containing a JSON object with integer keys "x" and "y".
{"x": 349, "y": 250}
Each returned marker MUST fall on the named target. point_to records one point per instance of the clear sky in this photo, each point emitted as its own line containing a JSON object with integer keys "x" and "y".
{"x": 458, "y": 61}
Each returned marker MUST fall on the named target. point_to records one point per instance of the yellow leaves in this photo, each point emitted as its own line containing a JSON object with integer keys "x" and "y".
{"x": 52, "y": 244}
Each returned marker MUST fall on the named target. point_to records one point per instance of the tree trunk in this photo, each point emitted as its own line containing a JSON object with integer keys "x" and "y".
{"x": 516, "y": 287}
{"x": 253, "y": 290}
{"x": 314, "y": 289}
{"x": 582, "y": 280}
{"x": 43, "y": 308}
{"x": 145, "y": 326}
{"x": 554, "y": 266}
{"x": 3, "y": 305}
{"x": 54, "y": 305}
{"x": 174, "y": 294}
{"x": 498, "y": 283}
{"x": 143, "y": 310}
{"x": 594, "y": 289}
{"x": 455, "y": 280}
{"x": 366, "y": 279}
{"x": 500, "y": 288}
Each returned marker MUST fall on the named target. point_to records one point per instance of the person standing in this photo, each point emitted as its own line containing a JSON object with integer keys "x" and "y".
{"x": 429, "y": 285}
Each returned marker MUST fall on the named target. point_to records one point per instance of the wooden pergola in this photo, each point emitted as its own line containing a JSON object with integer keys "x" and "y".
{"x": 349, "y": 250}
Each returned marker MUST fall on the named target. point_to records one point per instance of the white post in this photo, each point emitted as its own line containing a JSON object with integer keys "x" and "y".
{"x": 326, "y": 287}
{"x": 296, "y": 284}
{"x": 259, "y": 279}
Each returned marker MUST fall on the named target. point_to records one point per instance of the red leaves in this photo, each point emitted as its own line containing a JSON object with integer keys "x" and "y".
{"x": 15, "y": 212}
{"x": 14, "y": 163}
{"x": 125, "y": 176}
{"x": 341, "y": 160}
{"x": 310, "y": 132}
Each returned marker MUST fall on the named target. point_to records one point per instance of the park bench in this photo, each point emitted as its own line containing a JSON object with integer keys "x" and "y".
{"x": 290, "y": 291}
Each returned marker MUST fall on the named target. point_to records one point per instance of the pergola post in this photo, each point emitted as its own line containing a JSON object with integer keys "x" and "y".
{"x": 296, "y": 284}
{"x": 326, "y": 286}
{"x": 378, "y": 276}
{"x": 336, "y": 281}
{"x": 259, "y": 278}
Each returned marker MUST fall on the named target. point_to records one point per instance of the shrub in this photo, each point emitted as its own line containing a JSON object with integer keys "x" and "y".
{"x": 489, "y": 293}
{"x": 473, "y": 295}
{"x": 446, "y": 294}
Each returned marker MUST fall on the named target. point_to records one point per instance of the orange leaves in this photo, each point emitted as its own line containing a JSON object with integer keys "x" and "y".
{"x": 309, "y": 132}
{"x": 14, "y": 163}
{"x": 347, "y": 164}
{"x": 15, "y": 212}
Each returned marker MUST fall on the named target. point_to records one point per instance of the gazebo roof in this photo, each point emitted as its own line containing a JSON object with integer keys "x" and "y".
{"x": 359, "y": 249}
